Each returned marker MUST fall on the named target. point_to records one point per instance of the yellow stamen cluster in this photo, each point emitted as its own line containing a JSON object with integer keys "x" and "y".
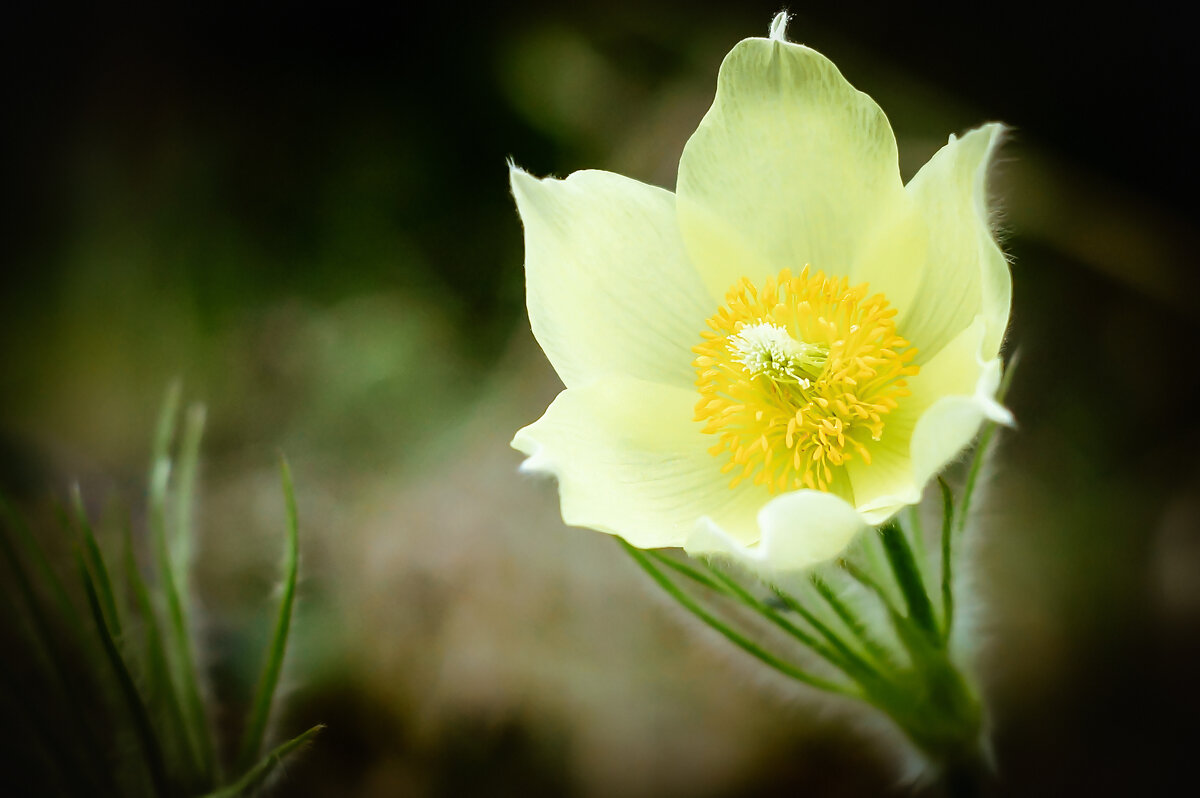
{"x": 797, "y": 378}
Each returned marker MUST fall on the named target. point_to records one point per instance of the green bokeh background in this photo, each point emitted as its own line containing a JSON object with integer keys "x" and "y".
{"x": 303, "y": 213}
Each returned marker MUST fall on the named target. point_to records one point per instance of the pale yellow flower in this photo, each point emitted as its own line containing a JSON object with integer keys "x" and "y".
{"x": 787, "y": 348}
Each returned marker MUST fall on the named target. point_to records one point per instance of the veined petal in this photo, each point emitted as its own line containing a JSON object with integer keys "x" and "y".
{"x": 790, "y": 166}
{"x": 966, "y": 274}
{"x": 630, "y": 461}
{"x": 799, "y": 529}
{"x": 953, "y": 394}
{"x": 609, "y": 285}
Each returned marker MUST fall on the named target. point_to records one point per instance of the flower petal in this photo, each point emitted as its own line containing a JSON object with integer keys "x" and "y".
{"x": 630, "y": 461}
{"x": 966, "y": 274}
{"x": 799, "y": 529}
{"x": 951, "y": 397}
{"x": 790, "y": 166}
{"x": 609, "y": 285}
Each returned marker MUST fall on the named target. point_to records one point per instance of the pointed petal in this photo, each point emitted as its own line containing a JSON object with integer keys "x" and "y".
{"x": 609, "y": 285}
{"x": 966, "y": 274}
{"x": 799, "y": 529}
{"x": 790, "y": 166}
{"x": 630, "y": 461}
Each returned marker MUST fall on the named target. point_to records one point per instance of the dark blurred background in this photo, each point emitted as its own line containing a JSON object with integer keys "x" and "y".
{"x": 303, "y": 212}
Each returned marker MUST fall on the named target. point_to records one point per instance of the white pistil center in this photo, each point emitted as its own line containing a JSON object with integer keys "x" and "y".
{"x": 768, "y": 349}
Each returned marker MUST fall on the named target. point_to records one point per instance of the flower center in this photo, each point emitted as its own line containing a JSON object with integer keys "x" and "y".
{"x": 798, "y": 378}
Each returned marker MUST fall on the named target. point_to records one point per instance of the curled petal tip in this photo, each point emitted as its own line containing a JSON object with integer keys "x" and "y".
{"x": 778, "y": 30}
{"x": 1000, "y": 414}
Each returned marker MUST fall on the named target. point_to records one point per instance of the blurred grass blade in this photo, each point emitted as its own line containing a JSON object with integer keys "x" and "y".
{"x": 185, "y": 490}
{"x": 183, "y": 659}
{"x": 45, "y": 571}
{"x": 164, "y": 428}
{"x": 157, "y": 667}
{"x": 260, "y": 710}
{"x": 43, "y": 638}
{"x": 147, "y": 738}
{"x": 258, "y": 775}
{"x": 95, "y": 561}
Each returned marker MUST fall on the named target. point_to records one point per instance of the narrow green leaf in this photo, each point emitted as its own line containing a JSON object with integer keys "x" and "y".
{"x": 260, "y": 710}
{"x": 188, "y": 466}
{"x": 157, "y": 666}
{"x": 147, "y": 738}
{"x": 182, "y": 659}
{"x": 920, "y": 609}
{"x": 853, "y": 622}
{"x": 847, "y": 659}
{"x": 688, "y": 571}
{"x": 43, "y": 639}
{"x": 164, "y": 428}
{"x": 947, "y": 558}
{"x": 868, "y": 581}
{"x": 95, "y": 561}
{"x": 257, "y": 776}
{"x": 742, "y": 642}
{"x": 916, "y": 534}
{"x": 46, "y": 573}
{"x": 844, "y": 660}
{"x": 915, "y": 640}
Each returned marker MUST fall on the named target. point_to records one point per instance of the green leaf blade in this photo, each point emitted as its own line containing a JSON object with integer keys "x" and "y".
{"x": 260, "y": 710}
{"x": 136, "y": 706}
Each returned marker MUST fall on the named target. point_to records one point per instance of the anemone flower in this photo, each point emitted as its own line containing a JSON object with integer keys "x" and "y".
{"x": 786, "y": 349}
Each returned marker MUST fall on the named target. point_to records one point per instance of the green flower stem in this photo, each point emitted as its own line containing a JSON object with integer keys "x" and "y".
{"x": 947, "y": 559}
{"x": 939, "y": 712}
{"x": 737, "y": 639}
{"x": 908, "y": 576}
